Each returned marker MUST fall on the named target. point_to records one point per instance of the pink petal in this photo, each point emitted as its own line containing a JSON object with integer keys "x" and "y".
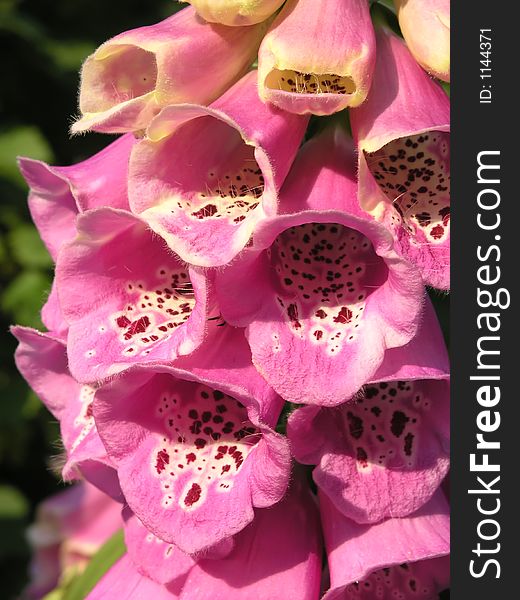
{"x": 58, "y": 194}
{"x": 42, "y": 360}
{"x": 404, "y": 173}
{"x": 128, "y": 79}
{"x": 318, "y": 57}
{"x": 193, "y": 458}
{"x": 397, "y": 558}
{"x": 322, "y": 291}
{"x": 205, "y": 176}
{"x": 385, "y": 452}
{"x": 277, "y": 555}
{"x": 51, "y": 315}
{"x": 126, "y": 298}
{"x": 158, "y": 560}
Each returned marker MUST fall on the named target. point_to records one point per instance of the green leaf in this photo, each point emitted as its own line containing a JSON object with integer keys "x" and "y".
{"x": 100, "y": 563}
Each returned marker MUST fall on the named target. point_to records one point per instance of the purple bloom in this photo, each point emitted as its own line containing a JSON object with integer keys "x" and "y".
{"x": 42, "y": 360}
{"x": 402, "y": 132}
{"x": 322, "y": 291}
{"x": 385, "y": 452}
{"x": 126, "y": 298}
{"x": 193, "y": 443}
{"x": 203, "y": 177}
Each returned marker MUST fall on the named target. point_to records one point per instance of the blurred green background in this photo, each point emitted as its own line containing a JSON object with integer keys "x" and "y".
{"x": 43, "y": 43}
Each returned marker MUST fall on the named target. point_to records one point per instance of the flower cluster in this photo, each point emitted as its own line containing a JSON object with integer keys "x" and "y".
{"x": 222, "y": 262}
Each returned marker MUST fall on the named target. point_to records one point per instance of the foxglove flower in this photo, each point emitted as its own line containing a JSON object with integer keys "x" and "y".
{"x": 318, "y": 57}
{"x": 321, "y": 290}
{"x": 402, "y": 131}
{"x": 279, "y": 550}
{"x": 396, "y": 558}
{"x": 203, "y": 177}
{"x": 181, "y": 59}
{"x": 236, "y": 12}
{"x": 193, "y": 443}
{"x": 58, "y": 194}
{"x": 426, "y": 28}
{"x": 126, "y": 298}
{"x": 42, "y": 360}
{"x": 69, "y": 528}
{"x": 385, "y": 452}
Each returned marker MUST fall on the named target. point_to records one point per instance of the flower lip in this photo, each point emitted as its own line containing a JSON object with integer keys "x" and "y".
{"x": 116, "y": 74}
{"x": 414, "y": 174}
{"x": 327, "y": 75}
{"x": 229, "y": 161}
{"x": 125, "y": 297}
{"x": 383, "y": 552}
{"x": 202, "y": 453}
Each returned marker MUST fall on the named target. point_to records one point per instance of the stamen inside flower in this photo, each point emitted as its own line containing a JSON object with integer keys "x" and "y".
{"x": 209, "y": 437}
{"x": 118, "y": 73}
{"x": 216, "y": 173}
{"x": 295, "y": 82}
{"x": 152, "y": 313}
{"x": 414, "y": 174}
{"x": 383, "y": 426}
{"x": 326, "y": 272}
{"x": 409, "y": 580}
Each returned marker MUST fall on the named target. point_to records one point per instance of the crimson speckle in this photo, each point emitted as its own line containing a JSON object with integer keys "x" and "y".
{"x": 193, "y": 495}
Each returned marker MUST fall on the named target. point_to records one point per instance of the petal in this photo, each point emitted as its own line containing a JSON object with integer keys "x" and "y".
{"x": 204, "y": 177}
{"x": 318, "y": 57}
{"x": 385, "y": 452}
{"x": 126, "y": 298}
{"x": 329, "y": 294}
{"x": 58, "y": 194}
{"x": 42, "y": 360}
{"x": 51, "y": 314}
{"x": 160, "y": 561}
{"x": 426, "y": 29}
{"x": 236, "y": 12}
{"x": 382, "y": 454}
{"x": 181, "y": 59}
{"x": 425, "y": 357}
{"x": 404, "y": 172}
{"x": 410, "y": 552}
{"x": 53, "y": 208}
{"x": 192, "y": 457}
{"x": 279, "y": 551}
